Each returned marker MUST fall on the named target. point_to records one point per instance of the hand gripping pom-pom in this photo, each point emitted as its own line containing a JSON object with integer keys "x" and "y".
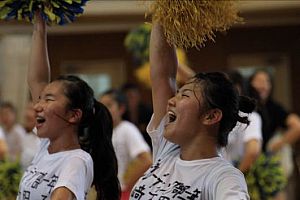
{"x": 53, "y": 11}
{"x": 190, "y": 23}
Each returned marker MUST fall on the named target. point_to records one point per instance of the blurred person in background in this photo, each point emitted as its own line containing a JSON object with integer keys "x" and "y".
{"x": 139, "y": 113}
{"x": 3, "y": 146}
{"x": 244, "y": 142}
{"x": 30, "y": 142}
{"x": 273, "y": 114}
{"x": 133, "y": 153}
{"x": 274, "y": 117}
{"x": 14, "y": 132}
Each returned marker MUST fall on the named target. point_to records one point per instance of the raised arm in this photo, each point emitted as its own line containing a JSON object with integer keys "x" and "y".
{"x": 39, "y": 68}
{"x": 163, "y": 67}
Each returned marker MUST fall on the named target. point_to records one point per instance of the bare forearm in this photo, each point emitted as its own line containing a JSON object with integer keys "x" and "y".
{"x": 137, "y": 169}
{"x": 163, "y": 58}
{"x": 291, "y": 136}
{"x": 252, "y": 151}
{"x": 163, "y": 68}
{"x": 247, "y": 162}
{"x": 39, "y": 68}
{"x": 3, "y": 149}
{"x": 293, "y": 132}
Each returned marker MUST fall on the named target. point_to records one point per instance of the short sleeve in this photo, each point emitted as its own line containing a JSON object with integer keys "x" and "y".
{"x": 77, "y": 176}
{"x": 135, "y": 141}
{"x": 231, "y": 187}
{"x": 160, "y": 145}
{"x": 254, "y": 129}
{"x": 2, "y": 136}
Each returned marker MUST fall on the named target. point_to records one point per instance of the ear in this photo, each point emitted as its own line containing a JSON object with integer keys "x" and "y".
{"x": 213, "y": 116}
{"x": 122, "y": 109}
{"x": 75, "y": 116}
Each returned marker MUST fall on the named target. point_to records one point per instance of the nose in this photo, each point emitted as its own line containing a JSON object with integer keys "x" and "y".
{"x": 38, "y": 107}
{"x": 171, "y": 101}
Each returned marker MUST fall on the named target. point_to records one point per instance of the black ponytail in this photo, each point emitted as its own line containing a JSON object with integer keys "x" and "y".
{"x": 101, "y": 149}
{"x": 246, "y": 105}
{"x": 95, "y": 133}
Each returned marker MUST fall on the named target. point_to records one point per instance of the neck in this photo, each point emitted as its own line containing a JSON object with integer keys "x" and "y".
{"x": 66, "y": 142}
{"x": 8, "y": 128}
{"x": 203, "y": 147}
{"x": 117, "y": 122}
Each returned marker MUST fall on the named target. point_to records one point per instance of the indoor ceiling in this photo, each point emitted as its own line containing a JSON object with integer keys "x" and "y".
{"x": 117, "y": 15}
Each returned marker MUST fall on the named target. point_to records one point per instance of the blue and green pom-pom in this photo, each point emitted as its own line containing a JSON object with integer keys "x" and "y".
{"x": 265, "y": 179}
{"x": 137, "y": 43}
{"x": 53, "y": 11}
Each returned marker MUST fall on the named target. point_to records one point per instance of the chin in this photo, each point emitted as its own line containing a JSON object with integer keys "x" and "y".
{"x": 40, "y": 134}
{"x": 168, "y": 134}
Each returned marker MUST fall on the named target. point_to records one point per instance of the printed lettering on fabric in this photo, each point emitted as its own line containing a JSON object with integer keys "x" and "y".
{"x": 38, "y": 182}
{"x": 161, "y": 189}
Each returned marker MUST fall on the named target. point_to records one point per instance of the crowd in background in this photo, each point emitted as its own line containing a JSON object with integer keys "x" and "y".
{"x": 248, "y": 146}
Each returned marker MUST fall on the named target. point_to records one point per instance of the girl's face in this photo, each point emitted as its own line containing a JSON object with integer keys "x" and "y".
{"x": 29, "y": 118}
{"x": 7, "y": 117}
{"x": 262, "y": 84}
{"x": 185, "y": 111}
{"x": 113, "y": 107}
{"x": 51, "y": 111}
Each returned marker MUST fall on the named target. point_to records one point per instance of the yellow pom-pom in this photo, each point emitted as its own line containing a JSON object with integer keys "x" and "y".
{"x": 142, "y": 73}
{"x": 189, "y": 23}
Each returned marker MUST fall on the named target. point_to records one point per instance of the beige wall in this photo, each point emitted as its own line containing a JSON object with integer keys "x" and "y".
{"x": 14, "y": 53}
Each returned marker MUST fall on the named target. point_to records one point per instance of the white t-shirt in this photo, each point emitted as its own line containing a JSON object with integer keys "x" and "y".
{"x": 2, "y": 136}
{"x": 30, "y": 146}
{"x": 128, "y": 143}
{"x": 14, "y": 139}
{"x": 240, "y": 135}
{"x": 173, "y": 178}
{"x": 71, "y": 169}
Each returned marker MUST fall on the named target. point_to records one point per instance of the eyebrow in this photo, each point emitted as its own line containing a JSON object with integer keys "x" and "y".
{"x": 185, "y": 90}
{"x": 49, "y": 95}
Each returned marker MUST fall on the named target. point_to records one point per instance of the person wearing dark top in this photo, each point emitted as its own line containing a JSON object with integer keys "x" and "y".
{"x": 274, "y": 117}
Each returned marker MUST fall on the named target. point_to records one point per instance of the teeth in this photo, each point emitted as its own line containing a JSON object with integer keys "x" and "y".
{"x": 172, "y": 116}
{"x": 40, "y": 119}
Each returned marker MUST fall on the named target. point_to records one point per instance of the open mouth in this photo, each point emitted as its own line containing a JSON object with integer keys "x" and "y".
{"x": 172, "y": 116}
{"x": 40, "y": 120}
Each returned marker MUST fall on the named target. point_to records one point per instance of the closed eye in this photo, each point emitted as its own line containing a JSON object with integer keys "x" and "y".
{"x": 49, "y": 99}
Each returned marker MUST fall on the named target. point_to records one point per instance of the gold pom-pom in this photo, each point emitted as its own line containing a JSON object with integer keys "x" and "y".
{"x": 189, "y": 23}
{"x": 142, "y": 73}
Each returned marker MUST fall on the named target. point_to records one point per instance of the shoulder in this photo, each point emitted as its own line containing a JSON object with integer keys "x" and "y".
{"x": 224, "y": 174}
{"x": 78, "y": 161}
{"x": 128, "y": 128}
{"x": 225, "y": 169}
{"x": 127, "y": 124}
{"x": 80, "y": 156}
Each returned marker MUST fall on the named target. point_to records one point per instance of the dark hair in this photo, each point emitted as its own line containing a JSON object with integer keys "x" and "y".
{"x": 9, "y": 105}
{"x": 129, "y": 86}
{"x": 219, "y": 92}
{"x": 238, "y": 80}
{"x": 120, "y": 98}
{"x": 254, "y": 75}
{"x": 95, "y": 133}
